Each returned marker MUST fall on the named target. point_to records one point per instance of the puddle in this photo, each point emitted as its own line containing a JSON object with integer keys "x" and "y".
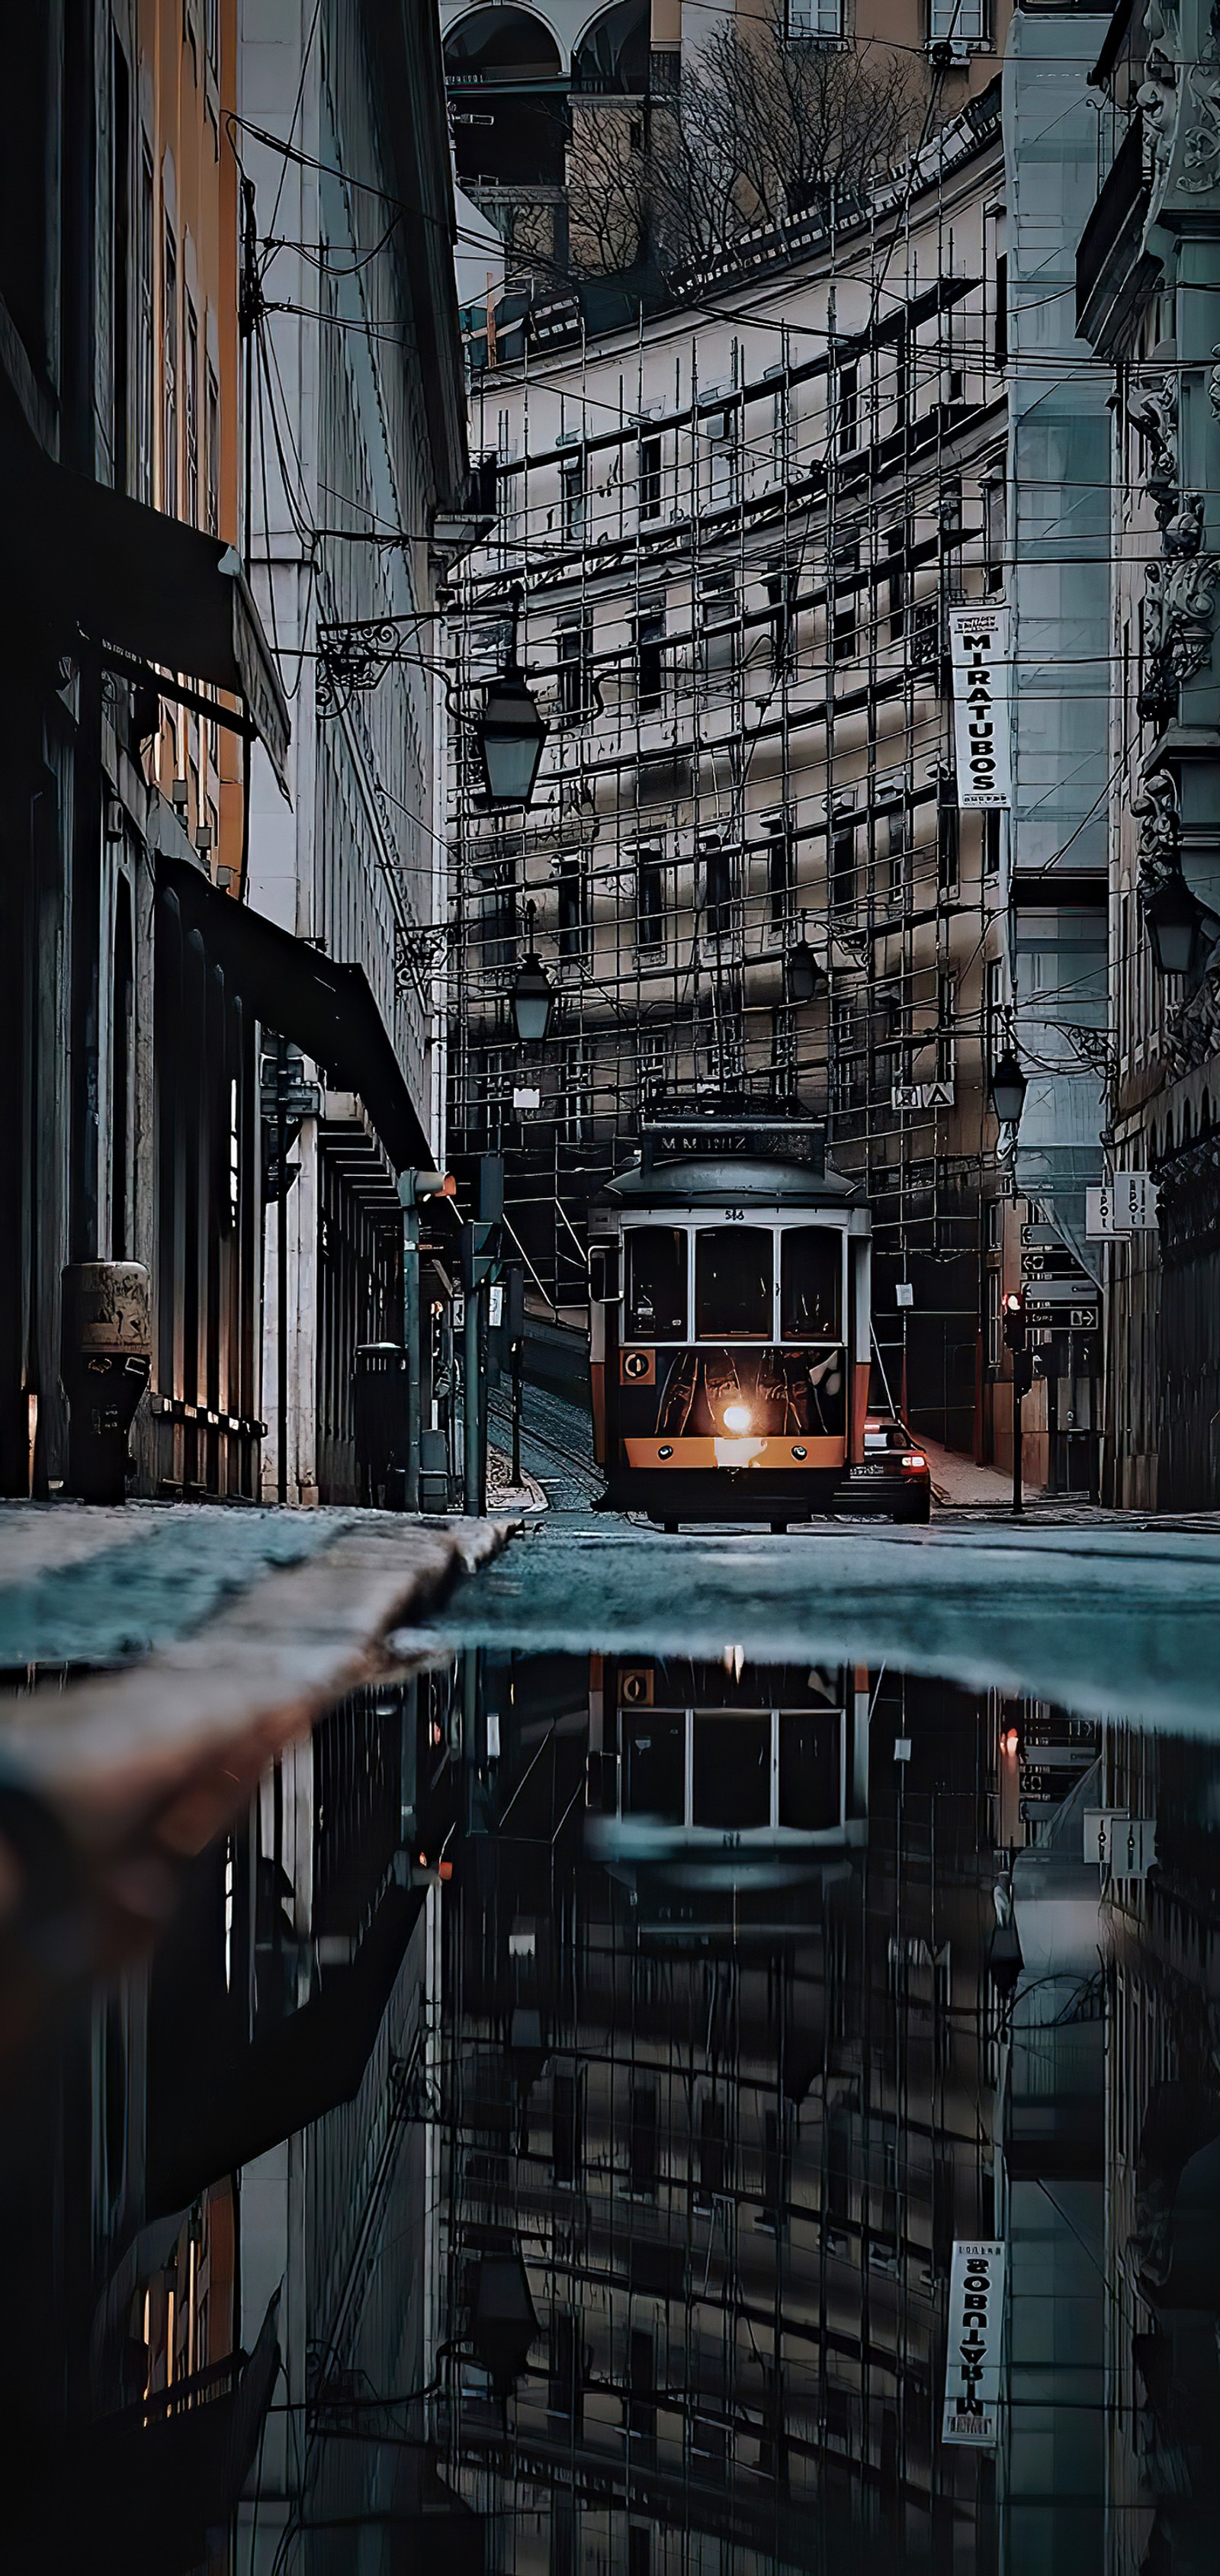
{"x": 713, "y": 2102}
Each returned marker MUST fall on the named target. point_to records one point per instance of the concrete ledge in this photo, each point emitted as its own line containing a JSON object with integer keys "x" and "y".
{"x": 191, "y": 1725}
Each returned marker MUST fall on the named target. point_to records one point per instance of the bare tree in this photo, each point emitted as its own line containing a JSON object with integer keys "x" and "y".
{"x": 761, "y": 129}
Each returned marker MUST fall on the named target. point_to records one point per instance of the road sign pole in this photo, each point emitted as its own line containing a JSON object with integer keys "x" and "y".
{"x": 471, "y": 1426}
{"x": 411, "y": 1345}
{"x": 1018, "y": 1495}
{"x": 281, "y": 1270}
{"x": 516, "y": 1414}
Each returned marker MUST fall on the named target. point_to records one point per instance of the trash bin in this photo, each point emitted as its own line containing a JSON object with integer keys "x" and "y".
{"x": 381, "y": 1425}
{"x": 105, "y": 1361}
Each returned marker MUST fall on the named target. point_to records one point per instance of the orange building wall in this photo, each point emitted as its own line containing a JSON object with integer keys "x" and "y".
{"x": 184, "y": 108}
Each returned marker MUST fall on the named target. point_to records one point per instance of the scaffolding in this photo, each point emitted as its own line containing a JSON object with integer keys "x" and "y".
{"x": 735, "y": 532}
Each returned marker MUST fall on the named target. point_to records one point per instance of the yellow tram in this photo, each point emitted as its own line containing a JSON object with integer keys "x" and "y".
{"x": 730, "y": 1322}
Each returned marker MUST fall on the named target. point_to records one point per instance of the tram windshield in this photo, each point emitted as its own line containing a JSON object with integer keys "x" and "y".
{"x": 654, "y": 1766}
{"x": 811, "y": 1284}
{"x": 656, "y": 1284}
{"x": 734, "y": 1278}
{"x": 732, "y": 1771}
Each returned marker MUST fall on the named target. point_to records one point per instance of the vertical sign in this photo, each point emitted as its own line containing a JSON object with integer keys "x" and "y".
{"x": 1124, "y": 1205}
{"x": 972, "y": 2358}
{"x": 978, "y": 643}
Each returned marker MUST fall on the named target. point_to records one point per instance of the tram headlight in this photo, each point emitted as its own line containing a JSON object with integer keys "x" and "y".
{"x": 737, "y": 1417}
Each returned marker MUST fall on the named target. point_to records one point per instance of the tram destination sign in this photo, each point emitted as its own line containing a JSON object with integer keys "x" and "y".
{"x": 670, "y": 1133}
{"x": 972, "y": 2356}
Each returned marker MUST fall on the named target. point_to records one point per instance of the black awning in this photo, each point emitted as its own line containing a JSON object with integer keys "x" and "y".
{"x": 128, "y": 576}
{"x": 328, "y": 1010}
{"x": 214, "y": 2107}
{"x": 142, "y": 2489}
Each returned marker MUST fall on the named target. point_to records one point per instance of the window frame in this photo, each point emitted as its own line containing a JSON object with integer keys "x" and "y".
{"x": 696, "y": 1225}
{"x": 778, "y": 1713}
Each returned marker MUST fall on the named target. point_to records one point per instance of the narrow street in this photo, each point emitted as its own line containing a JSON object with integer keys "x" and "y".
{"x": 1103, "y": 1610}
{"x": 609, "y": 1288}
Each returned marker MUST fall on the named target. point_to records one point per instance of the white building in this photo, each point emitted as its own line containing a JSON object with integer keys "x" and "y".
{"x": 357, "y": 466}
{"x": 737, "y": 528}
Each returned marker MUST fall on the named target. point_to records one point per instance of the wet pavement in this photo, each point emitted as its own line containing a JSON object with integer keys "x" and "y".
{"x": 708, "y": 2059}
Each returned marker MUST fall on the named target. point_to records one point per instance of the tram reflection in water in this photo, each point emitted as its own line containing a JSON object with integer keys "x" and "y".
{"x": 730, "y": 1323}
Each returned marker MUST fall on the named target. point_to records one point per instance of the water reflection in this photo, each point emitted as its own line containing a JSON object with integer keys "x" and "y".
{"x": 542, "y": 2135}
{"x": 746, "y": 1915}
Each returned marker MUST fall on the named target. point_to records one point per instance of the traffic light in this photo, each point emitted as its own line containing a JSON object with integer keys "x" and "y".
{"x": 1014, "y": 1320}
{"x": 415, "y": 1187}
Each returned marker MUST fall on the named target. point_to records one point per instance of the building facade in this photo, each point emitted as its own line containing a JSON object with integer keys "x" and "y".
{"x": 551, "y": 102}
{"x": 1146, "y": 276}
{"x": 180, "y": 1027}
{"x": 734, "y": 531}
{"x": 358, "y": 483}
{"x": 137, "y": 676}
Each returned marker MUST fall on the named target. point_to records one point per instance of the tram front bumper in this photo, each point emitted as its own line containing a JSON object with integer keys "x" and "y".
{"x": 754, "y": 1453}
{"x": 711, "y": 1478}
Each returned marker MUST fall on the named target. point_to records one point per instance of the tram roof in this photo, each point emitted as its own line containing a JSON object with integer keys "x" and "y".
{"x": 708, "y": 1180}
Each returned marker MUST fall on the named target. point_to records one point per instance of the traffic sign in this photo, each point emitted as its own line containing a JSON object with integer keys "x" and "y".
{"x": 1078, "y": 1319}
{"x": 1058, "y": 1263}
{"x": 1076, "y": 1289}
{"x": 921, "y": 1095}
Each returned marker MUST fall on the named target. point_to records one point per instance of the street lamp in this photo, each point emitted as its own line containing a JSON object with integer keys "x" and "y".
{"x": 807, "y": 977}
{"x": 1179, "y": 927}
{"x": 510, "y": 732}
{"x": 533, "y": 992}
{"x": 1008, "y": 1088}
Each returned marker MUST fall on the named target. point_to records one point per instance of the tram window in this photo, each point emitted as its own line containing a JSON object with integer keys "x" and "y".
{"x": 654, "y": 1767}
{"x": 811, "y": 1284}
{"x": 809, "y": 1771}
{"x": 656, "y": 1284}
{"x": 732, "y": 1781}
{"x": 734, "y": 1270}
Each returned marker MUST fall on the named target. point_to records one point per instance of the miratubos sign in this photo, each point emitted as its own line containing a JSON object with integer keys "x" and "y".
{"x": 972, "y": 2358}
{"x": 978, "y": 644}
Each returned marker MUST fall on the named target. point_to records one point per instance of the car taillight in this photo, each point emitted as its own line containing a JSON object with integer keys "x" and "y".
{"x": 914, "y": 1458}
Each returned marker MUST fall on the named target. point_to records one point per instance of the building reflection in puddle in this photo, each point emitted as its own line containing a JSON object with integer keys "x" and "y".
{"x": 542, "y": 2135}
{"x": 722, "y": 2051}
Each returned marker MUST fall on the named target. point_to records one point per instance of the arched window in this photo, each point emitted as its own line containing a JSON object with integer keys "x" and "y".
{"x": 501, "y": 45}
{"x": 506, "y": 94}
{"x": 613, "y": 53}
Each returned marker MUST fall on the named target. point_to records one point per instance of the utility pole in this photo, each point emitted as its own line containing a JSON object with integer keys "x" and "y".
{"x": 413, "y": 1188}
{"x": 480, "y": 1264}
{"x": 471, "y": 1404}
{"x": 410, "y": 1333}
{"x": 514, "y": 1325}
{"x": 1022, "y": 1380}
{"x": 285, "y": 1098}
{"x": 281, "y": 1270}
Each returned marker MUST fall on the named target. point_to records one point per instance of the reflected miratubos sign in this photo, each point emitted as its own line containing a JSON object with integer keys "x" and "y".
{"x": 972, "y": 2358}
{"x": 978, "y": 647}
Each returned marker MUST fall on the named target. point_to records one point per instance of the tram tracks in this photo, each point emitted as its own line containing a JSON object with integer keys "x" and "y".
{"x": 549, "y": 1442}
